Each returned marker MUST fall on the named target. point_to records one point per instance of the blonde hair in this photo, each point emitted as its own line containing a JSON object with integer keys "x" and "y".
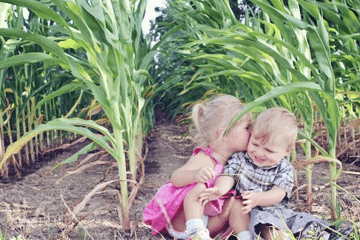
{"x": 211, "y": 115}
{"x": 276, "y": 125}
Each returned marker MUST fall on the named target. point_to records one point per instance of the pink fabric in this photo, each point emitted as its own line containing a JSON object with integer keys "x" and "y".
{"x": 172, "y": 197}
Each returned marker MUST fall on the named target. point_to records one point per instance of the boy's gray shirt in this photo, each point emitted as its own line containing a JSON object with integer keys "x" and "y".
{"x": 250, "y": 177}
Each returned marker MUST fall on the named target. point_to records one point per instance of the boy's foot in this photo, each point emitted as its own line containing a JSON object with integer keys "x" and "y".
{"x": 342, "y": 234}
{"x": 311, "y": 231}
{"x": 200, "y": 234}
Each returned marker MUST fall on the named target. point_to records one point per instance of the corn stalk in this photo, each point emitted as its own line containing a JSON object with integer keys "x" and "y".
{"x": 114, "y": 71}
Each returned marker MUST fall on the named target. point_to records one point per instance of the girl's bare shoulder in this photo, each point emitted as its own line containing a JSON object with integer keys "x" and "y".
{"x": 201, "y": 160}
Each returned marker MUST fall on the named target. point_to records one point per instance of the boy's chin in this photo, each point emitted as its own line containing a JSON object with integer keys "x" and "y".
{"x": 258, "y": 163}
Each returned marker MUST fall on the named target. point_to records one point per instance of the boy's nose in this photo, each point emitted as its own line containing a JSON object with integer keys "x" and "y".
{"x": 260, "y": 153}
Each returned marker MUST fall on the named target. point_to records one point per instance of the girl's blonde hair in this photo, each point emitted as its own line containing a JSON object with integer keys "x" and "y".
{"x": 213, "y": 114}
{"x": 276, "y": 125}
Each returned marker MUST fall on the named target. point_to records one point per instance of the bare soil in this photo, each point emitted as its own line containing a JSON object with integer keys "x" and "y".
{"x": 35, "y": 206}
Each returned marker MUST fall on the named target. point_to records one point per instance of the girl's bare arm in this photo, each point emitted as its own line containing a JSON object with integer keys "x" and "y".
{"x": 222, "y": 185}
{"x": 199, "y": 168}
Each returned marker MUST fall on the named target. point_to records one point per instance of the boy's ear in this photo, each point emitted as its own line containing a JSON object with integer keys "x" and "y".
{"x": 288, "y": 151}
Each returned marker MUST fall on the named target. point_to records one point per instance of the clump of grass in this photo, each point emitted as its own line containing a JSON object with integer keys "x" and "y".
{"x": 2, "y": 235}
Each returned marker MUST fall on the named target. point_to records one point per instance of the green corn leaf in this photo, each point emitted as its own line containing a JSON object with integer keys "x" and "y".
{"x": 60, "y": 124}
{"x": 86, "y": 123}
{"x": 290, "y": 88}
{"x": 315, "y": 144}
{"x": 73, "y": 158}
{"x": 39, "y": 9}
{"x": 30, "y": 58}
{"x": 64, "y": 89}
{"x": 46, "y": 43}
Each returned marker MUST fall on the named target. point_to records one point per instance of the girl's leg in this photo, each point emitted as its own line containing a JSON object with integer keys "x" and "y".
{"x": 189, "y": 222}
{"x": 192, "y": 207}
{"x": 194, "y": 213}
{"x": 216, "y": 224}
{"x": 178, "y": 222}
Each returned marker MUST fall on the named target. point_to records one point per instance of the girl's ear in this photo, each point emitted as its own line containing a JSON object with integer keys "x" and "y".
{"x": 220, "y": 132}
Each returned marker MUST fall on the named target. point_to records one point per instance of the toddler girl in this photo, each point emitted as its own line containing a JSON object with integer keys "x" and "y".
{"x": 179, "y": 197}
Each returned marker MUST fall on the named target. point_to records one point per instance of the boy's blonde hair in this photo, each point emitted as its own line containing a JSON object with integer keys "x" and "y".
{"x": 276, "y": 125}
{"x": 213, "y": 114}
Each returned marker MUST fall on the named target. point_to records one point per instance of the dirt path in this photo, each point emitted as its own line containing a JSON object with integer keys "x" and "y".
{"x": 36, "y": 208}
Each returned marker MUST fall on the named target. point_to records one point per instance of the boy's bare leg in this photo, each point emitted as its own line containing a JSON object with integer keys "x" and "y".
{"x": 220, "y": 222}
{"x": 271, "y": 233}
{"x": 238, "y": 221}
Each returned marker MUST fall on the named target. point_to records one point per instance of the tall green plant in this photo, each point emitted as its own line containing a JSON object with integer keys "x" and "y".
{"x": 28, "y": 82}
{"x": 114, "y": 70}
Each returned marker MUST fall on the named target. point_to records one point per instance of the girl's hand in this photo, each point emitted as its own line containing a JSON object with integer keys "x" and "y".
{"x": 208, "y": 195}
{"x": 251, "y": 200}
{"x": 204, "y": 174}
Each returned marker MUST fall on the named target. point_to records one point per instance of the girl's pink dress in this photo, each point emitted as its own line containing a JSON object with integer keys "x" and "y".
{"x": 171, "y": 198}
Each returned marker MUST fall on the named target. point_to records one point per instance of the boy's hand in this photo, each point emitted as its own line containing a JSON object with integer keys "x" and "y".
{"x": 204, "y": 174}
{"x": 208, "y": 195}
{"x": 251, "y": 200}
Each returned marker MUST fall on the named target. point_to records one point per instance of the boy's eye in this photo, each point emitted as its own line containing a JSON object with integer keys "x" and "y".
{"x": 270, "y": 151}
{"x": 255, "y": 144}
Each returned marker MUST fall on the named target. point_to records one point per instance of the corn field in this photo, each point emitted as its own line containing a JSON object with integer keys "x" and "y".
{"x": 83, "y": 68}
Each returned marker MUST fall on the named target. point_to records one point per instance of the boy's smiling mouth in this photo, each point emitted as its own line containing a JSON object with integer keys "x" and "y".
{"x": 256, "y": 160}
{"x": 259, "y": 159}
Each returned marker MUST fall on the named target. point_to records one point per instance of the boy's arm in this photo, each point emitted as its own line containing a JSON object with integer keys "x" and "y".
{"x": 271, "y": 197}
{"x": 283, "y": 184}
